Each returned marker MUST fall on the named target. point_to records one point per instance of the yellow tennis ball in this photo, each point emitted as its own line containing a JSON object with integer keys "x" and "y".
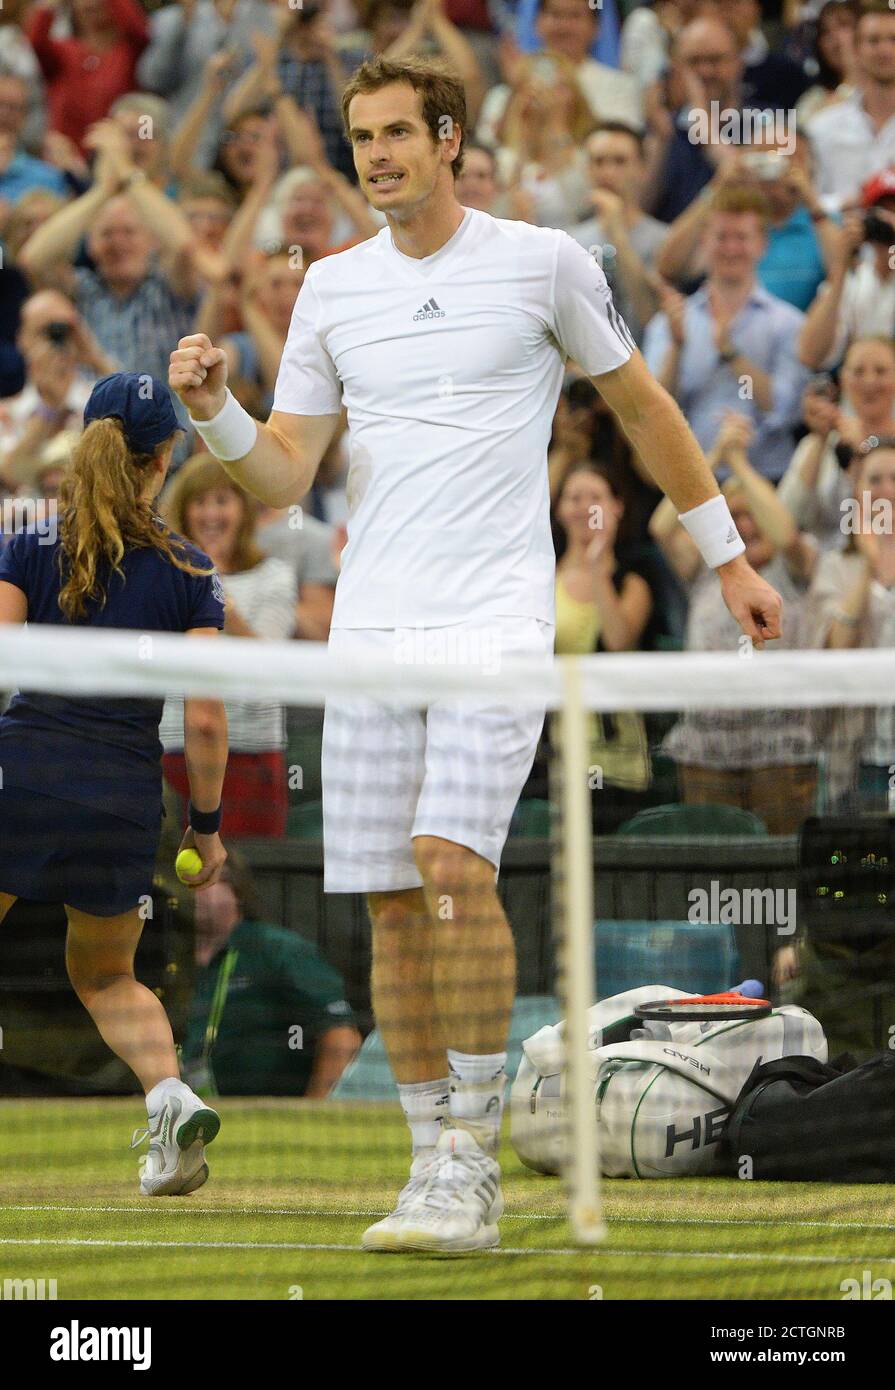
{"x": 187, "y": 862}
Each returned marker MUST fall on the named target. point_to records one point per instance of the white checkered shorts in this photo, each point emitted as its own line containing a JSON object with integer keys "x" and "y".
{"x": 452, "y": 771}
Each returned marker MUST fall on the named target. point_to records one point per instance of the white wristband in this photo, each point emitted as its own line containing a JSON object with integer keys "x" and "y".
{"x": 231, "y": 433}
{"x": 712, "y": 527}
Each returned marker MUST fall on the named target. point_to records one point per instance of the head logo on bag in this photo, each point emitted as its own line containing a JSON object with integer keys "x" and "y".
{"x": 663, "y": 1090}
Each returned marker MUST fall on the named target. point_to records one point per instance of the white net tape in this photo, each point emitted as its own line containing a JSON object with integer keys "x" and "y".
{"x": 81, "y": 661}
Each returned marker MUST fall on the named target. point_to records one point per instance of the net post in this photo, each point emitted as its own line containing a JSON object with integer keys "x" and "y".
{"x": 575, "y": 959}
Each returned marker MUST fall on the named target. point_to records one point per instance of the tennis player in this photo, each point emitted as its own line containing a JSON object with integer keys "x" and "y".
{"x": 445, "y": 336}
{"x": 81, "y": 789}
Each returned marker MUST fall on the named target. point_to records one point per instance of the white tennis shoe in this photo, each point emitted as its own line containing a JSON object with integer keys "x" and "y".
{"x": 177, "y": 1134}
{"x": 451, "y": 1204}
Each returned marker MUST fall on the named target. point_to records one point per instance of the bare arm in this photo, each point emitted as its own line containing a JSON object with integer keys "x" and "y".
{"x": 237, "y": 250}
{"x": 58, "y": 238}
{"x": 335, "y": 1050}
{"x": 266, "y": 339}
{"x": 350, "y": 200}
{"x": 411, "y": 36}
{"x": 38, "y": 431}
{"x": 260, "y": 81}
{"x": 210, "y": 315}
{"x": 774, "y": 518}
{"x": 280, "y": 466}
{"x": 314, "y": 612}
{"x": 818, "y": 334}
{"x": 205, "y": 754}
{"x": 845, "y": 628}
{"x": 205, "y": 746}
{"x": 185, "y": 262}
{"x": 305, "y": 146}
{"x": 660, "y": 132}
{"x": 235, "y": 624}
{"x": 819, "y": 331}
{"x": 678, "y": 256}
{"x": 674, "y": 307}
{"x": 639, "y": 283}
{"x": 460, "y": 54}
{"x": 670, "y": 368}
{"x": 428, "y": 17}
{"x": 659, "y": 433}
{"x": 647, "y": 414}
{"x": 798, "y": 486}
{"x": 676, "y": 545}
{"x": 237, "y": 240}
{"x": 635, "y": 278}
{"x": 190, "y": 128}
{"x": 247, "y": 93}
{"x": 677, "y": 252}
{"x": 679, "y": 550}
{"x": 623, "y": 614}
{"x": 13, "y": 603}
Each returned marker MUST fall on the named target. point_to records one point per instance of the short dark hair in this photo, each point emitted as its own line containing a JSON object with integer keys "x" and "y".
{"x": 620, "y": 128}
{"x": 440, "y": 89}
{"x": 592, "y": 10}
{"x": 371, "y": 10}
{"x": 237, "y": 872}
{"x": 482, "y": 149}
{"x": 207, "y": 184}
{"x": 871, "y": 8}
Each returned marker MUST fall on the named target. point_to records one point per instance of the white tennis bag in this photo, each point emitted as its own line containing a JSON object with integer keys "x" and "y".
{"x": 662, "y": 1091}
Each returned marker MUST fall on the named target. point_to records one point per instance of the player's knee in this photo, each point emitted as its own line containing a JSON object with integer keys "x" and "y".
{"x": 395, "y": 911}
{"x": 88, "y": 980}
{"x": 447, "y": 869}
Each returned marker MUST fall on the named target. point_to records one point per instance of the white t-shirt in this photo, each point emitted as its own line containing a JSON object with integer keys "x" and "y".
{"x": 265, "y": 597}
{"x": 866, "y": 309}
{"x": 450, "y": 368}
{"x": 848, "y": 149}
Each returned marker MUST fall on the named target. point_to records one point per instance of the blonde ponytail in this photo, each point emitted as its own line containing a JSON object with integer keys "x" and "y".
{"x": 104, "y": 511}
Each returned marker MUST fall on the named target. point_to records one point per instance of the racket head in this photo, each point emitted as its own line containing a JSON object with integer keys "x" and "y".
{"x": 704, "y": 1008}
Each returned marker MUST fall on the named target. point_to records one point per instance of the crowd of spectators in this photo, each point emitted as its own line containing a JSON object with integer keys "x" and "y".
{"x": 172, "y": 169}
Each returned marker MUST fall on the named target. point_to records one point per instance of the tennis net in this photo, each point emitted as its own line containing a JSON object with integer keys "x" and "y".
{"x": 690, "y": 822}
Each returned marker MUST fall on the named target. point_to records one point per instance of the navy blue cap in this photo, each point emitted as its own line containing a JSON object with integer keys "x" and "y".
{"x": 141, "y": 402}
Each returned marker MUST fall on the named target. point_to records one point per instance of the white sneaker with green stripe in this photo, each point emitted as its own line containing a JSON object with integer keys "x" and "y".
{"x": 450, "y": 1206}
{"x": 177, "y": 1134}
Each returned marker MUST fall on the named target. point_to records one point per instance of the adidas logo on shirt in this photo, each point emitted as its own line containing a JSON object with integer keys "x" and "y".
{"x": 430, "y": 310}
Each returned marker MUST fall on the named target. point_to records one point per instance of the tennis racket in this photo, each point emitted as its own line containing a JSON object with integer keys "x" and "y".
{"x": 699, "y": 1008}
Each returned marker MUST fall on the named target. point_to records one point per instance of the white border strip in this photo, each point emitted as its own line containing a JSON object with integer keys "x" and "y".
{"x": 337, "y": 1213}
{"x": 80, "y": 661}
{"x": 605, "y": 1252}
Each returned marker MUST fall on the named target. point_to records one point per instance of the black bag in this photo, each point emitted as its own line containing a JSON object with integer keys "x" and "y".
{"x": 801, "y": 1120}
{"x": 847, "y": 879}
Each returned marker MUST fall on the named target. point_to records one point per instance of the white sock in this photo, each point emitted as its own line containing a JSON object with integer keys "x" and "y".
{"x": 425, "y": 1106}
{"x": 160, "y": 1092}
{"x": 477, "y": 1087}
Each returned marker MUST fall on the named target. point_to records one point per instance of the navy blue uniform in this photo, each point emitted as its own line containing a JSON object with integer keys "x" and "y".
{"x": 81, "y": 799}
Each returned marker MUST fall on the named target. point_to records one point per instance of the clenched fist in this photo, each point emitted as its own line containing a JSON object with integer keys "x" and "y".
{"x": 197, "y": 373}
{"x": 755, "y": 605}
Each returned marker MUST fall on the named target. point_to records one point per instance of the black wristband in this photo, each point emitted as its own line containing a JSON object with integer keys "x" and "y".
{"x": 205, "y": 822}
